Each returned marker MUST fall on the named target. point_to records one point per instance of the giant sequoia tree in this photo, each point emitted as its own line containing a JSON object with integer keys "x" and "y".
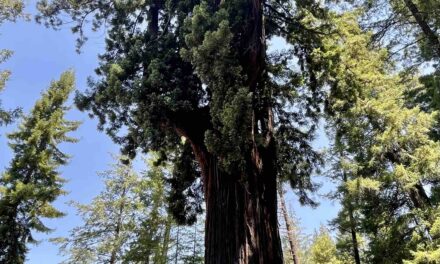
{"x": 201, "y": 70}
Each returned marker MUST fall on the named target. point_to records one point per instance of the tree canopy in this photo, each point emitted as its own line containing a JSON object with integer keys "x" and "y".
{"x": 232, "y": 118}
{"x": 32, "y": 181}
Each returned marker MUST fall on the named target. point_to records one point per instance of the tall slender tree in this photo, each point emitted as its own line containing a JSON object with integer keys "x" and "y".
{"x": 390, "y": 158}
{"x": 201, "y": 70}
{"x": 323, "y": 249}
{"x": 125, "y": 223}
{"x": 290, "y": 228}
{"x": 32, "y": 182}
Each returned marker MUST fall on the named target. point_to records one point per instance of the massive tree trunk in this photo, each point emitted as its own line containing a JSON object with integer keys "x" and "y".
{"x": 241, "y": 219}
{"x": 241, "y": 206}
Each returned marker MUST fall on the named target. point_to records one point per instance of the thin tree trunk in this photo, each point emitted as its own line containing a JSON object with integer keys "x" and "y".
{"x": 194, "y": 242}
{"x": 424, "y": 26}
{"x": 176, "y": 256}
{"x": 354, "y": 241}
{"x": 166, "y": 240}
{"x": 116, "y": 248}
{"x": 290, "y": 228}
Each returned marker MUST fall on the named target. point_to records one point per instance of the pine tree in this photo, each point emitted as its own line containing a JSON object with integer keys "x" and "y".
{"x": 126, "y": 223}
{"x": 410, "y": 29}
{"x": 388, "y": 156}
{"x": 32, "y": 182}
{"x": 153, "y": 225}
{"x": 323, "y": 249}
{"x": 108, "y": 220}
{"x": 201, "y": 70}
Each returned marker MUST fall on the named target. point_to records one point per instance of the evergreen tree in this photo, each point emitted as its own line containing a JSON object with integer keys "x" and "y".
{"x": 384, "y": 148}
{"x": 408, "y": 28}
{"x": 201, "y": 70}
{"x": 428, "y": 253}
{"x": 187, "y": 244}
{"x": 108, "y": 220}
{"x": 32, "y": 182}
{"x": 153, "y": 225}
{"x": 323, "y": 249}
{"x": 125, "y": 223}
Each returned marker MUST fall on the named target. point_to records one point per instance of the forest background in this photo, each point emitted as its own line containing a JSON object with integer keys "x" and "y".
{"x": 40, "y": 56}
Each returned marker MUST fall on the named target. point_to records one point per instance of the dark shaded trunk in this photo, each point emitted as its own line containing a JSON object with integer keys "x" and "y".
{"x": 12, "y": 246}
{"x": 176, "y": 256}
{"x": 117, "y": 233}
{"x": 430, "y": 34}
{"x": 153, "y": 14}
{"x": 290, "y": 229}
{"x": 354, "y": 240}
{"x": 241, "y": 219}
{"x": 241, "y": 206}
{"x": 166, "y": 240}
{"x": 419, "y": 197}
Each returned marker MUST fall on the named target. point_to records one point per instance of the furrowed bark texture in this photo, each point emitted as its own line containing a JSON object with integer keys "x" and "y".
{"x": 241, "y": 207}
{"x": 241, "y": 218}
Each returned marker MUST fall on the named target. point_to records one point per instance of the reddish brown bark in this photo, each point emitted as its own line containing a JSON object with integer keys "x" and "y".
{"x": 241, "y": 218}
{"x": 241, "y": 206}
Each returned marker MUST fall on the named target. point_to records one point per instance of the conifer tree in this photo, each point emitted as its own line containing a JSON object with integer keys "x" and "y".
{"x": 153, "y": 224}
{"x": 108, "y": 220}
{"x": 201, "y": 70}
{"x": 186, "y": 245}
{"x": 32, "y": 181}
{"x": 408, "y": 28}
{"x": 323, "y": 248}
{"x": 385, "y": 148}
{"x": 126, "y": 222}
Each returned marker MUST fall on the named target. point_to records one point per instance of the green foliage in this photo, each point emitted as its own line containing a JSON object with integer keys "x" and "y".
{"x": 323, "y": 249}
{"x": 32, "y": 182}
{"x": 382, "y": 147}
{"x": 107, "y": 219}
{"x": 125, "y": 223}
{"x": 195, "y": 80}
{"x": 185, "y": 195}
{"x": 153, "y": 224}
{"x": 189, "y": 77}
{"x": 10, "y": 10}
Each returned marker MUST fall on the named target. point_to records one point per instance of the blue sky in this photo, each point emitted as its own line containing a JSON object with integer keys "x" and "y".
{"x": 41, "y": 55}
